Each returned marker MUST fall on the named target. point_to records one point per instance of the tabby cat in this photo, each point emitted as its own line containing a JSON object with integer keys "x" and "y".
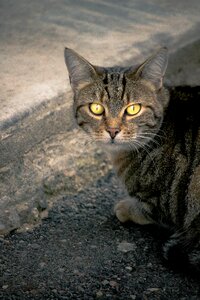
{"x": 154, "y": 142}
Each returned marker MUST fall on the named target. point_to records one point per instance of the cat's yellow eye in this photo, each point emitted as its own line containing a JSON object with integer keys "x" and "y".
{"x": 133, "y": 109}
{"x": 96, "y": 109}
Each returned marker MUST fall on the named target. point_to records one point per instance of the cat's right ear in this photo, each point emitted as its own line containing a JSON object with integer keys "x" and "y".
{"x": 81, "y": 72}
{"x": 153, "y": 69}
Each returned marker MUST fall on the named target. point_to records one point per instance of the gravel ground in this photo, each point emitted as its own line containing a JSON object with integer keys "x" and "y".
{"x": 82, "y": 252}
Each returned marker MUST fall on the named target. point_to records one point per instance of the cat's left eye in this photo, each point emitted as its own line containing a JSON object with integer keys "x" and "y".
{"x": 96, "y": 109}
{"x": 133, "y": 109}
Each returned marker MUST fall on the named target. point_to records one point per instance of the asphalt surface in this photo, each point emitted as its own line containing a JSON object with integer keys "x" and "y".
{"x": 82, "y": 252}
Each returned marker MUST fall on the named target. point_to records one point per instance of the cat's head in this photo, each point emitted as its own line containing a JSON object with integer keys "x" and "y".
{"x": 119, "y": 106}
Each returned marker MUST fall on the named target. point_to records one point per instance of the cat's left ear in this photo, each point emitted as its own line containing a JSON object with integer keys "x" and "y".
{"x": 81, "y": 72}
{"x": 154, "y": 68}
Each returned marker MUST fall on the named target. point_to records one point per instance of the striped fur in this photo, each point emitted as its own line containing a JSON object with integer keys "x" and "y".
{"x": 156, "y": 153}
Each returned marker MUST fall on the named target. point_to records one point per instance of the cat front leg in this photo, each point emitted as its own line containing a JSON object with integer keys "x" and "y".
{"x": 131, "y": 209}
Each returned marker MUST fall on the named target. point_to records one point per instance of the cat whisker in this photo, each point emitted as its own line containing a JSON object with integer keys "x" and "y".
{"x": 133, "y": 147}
{"x": 153, "y": 137}
{"x": 153, "y": 134}
{"x": 148, "y": 139}
{"x": 144, "y": 147}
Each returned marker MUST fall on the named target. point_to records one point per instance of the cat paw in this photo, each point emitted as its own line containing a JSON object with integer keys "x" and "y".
{"x": 121, "y": 210}
{"x": 132, "y": 210}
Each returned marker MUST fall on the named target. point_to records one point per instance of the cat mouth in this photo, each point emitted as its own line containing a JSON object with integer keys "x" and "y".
{"x": 109, "y": 142}
{"x": 113, "y": 142}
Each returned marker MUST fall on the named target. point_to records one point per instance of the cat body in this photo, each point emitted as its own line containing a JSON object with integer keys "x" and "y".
{"x": 166, "y": 174}
{"x": 153, "y": 138}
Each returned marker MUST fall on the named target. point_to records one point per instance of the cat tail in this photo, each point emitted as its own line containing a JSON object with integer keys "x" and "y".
{"x": 182, "y": 250}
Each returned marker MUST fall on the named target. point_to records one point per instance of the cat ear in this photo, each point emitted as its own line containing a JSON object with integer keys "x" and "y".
{"x": 153, "y": 69}
{"x": 81, "y": 72}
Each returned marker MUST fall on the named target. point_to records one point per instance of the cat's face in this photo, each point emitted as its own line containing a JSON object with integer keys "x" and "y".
{"x": 119, "y": 107}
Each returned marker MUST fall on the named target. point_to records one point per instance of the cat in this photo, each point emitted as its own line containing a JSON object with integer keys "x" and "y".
{"x": 153, "y": 138}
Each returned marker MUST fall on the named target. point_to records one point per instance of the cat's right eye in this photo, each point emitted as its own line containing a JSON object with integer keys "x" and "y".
{"x": 96, "y": 109}
{"x": 133, "y": 109}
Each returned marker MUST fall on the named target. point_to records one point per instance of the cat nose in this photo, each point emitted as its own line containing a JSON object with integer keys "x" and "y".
{"x": 113, "y": 132}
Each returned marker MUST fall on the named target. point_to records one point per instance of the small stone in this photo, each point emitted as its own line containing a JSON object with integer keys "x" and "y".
{"x": 103, "y": 165}
{"x": 153, "y": 289}
{"x": 63, "y": 241}
{"x": 80, "y": 289}
{"x": 93, "y": 246}
{"x": 70, "y": 173}
{"x": 126, "y": 247}
{"x": 133, "y": 297}
{"x": 21, "y": 241}
{"x": 114, "y": 284}
{"x": 99, "y": 151}
{"x": 129, "y": 268}
{"x": 88, "y": 205}
{"x": 35, "y": 213}
{"x": 61, "y": 270}
{"x": 44, "y": 214}
{"x": 99, "y": 294}
{"x": 42, "y": 265}
{"x": 35, "y": 246}
{"x": 6, "y": 242}
{"x": 72, "y": 142}
{"x": 4, "y": 287}
{"x": 105, "y": 282}
{"x": 78, "y": 273}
